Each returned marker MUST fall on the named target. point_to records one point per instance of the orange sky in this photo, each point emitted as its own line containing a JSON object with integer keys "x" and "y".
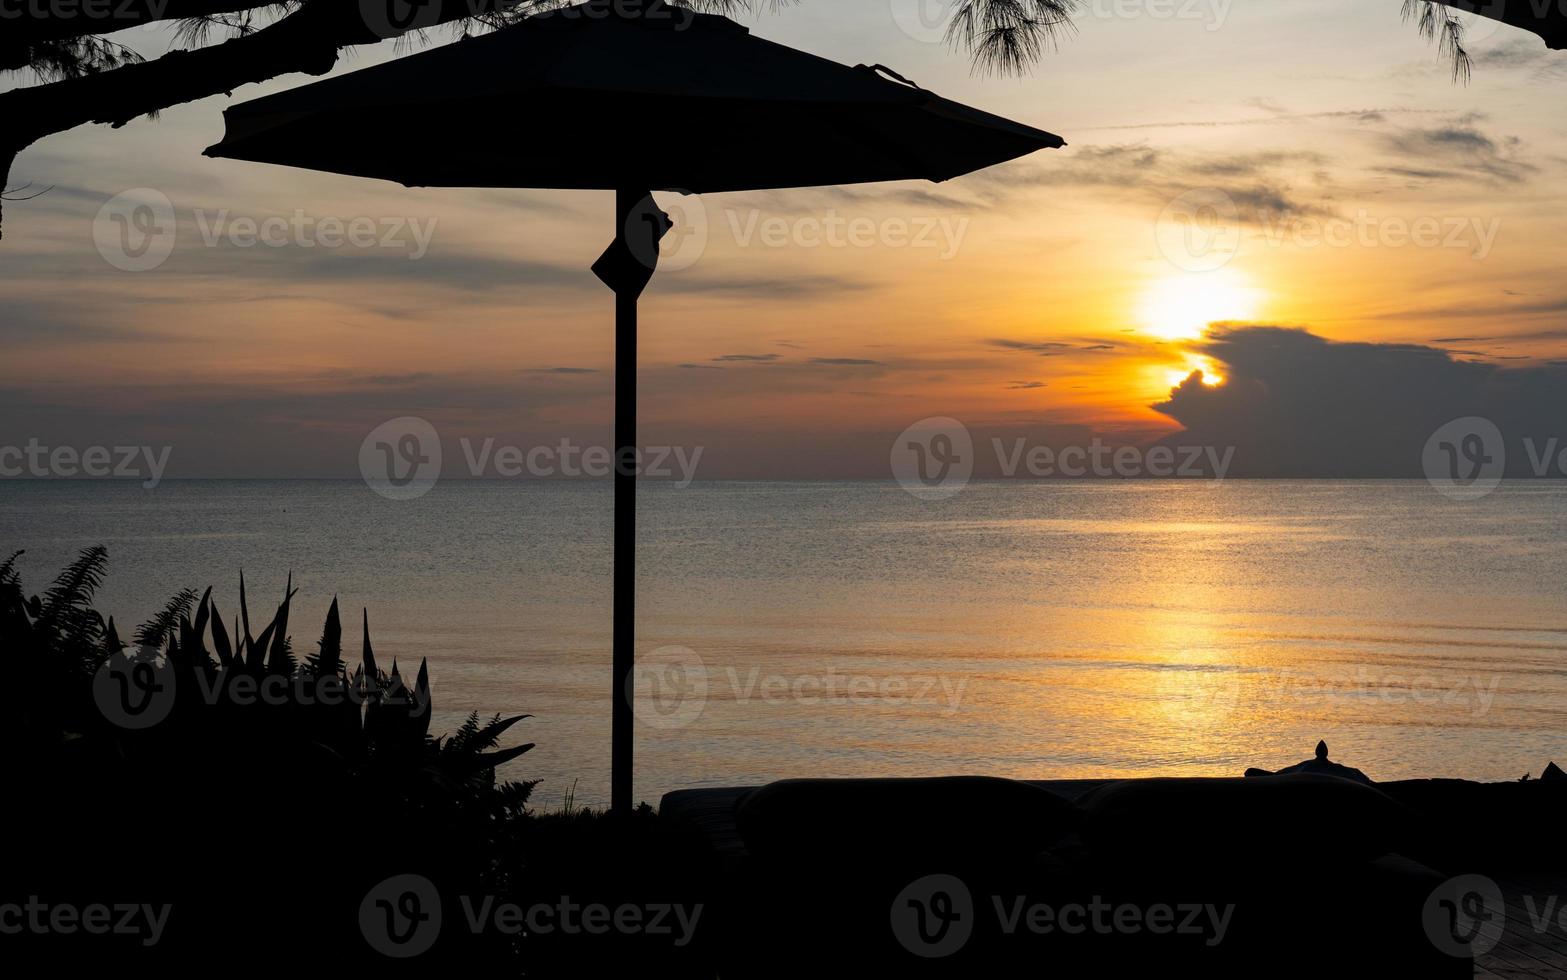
{"x": 1334, "y": 178}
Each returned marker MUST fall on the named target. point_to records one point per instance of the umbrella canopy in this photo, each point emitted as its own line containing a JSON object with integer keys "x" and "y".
{"x": 633, "y": 98}
{"x": 609, "y": 95}
{"x": 1547, "y": 19}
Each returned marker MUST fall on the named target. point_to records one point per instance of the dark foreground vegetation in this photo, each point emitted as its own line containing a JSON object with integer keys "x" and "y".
{"x": 200, "y": 794}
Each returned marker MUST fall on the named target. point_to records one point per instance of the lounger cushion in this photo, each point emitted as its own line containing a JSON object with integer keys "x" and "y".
{"x": 1263, "y": 821}
{"x": 1463, "y": 823}
{"x": 957, "y": 817}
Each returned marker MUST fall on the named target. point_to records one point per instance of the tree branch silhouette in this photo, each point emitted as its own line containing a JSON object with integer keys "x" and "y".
{"x": 88, "y": 78}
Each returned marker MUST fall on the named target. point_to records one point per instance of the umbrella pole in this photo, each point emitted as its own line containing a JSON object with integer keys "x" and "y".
{"x": 625, "y": 547}
{"x": 626, "y": 267}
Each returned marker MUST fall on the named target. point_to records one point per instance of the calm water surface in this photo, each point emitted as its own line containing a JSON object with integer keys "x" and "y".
{"x": 1036, "y": 630}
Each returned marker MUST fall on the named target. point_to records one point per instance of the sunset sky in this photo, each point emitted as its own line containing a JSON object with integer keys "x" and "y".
{"x": 1372, "y": 201}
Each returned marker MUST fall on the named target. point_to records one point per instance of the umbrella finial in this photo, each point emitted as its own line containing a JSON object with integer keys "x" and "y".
{"x": 1322, "y": 750}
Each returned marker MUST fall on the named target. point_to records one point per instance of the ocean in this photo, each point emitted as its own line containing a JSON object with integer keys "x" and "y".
{"x": 1029, "y": 629}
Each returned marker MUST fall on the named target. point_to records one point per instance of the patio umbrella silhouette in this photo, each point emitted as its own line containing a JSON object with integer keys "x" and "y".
{"x": 1548, "y": 20}
{"x": 629, "y": 97}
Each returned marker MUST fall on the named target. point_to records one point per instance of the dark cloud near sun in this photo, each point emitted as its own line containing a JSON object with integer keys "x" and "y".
{"x": 1298, "y": 405}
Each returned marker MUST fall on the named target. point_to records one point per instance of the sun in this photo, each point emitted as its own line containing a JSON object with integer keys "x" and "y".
{"x": 1175, "y": 377}
{"x": 1182, "y": 307}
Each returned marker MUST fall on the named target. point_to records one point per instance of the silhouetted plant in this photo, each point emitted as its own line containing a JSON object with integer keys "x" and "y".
{"x": 320, "y": 754}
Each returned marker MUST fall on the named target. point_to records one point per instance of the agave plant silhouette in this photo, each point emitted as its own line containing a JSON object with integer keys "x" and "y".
{"x": 284, "y": 755}
{"x": 371, "y": 724}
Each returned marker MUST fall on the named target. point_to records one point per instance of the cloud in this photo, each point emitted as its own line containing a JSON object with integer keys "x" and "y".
{"x": 808, "y": 199}
{"x": 1522, "y": 55}
{"x": 1026, "y": 385}
{"x": 1044, "y": 348}
{"x": 773, "y": 288}
{"x": 1487, "y": 310}
{"x": 1457, "y": 151}
{"x": 50, "y": 322}
{"x": 1298, "y": 405}
{"x": 756, "y": 358}
{"x": 286, "y": 427}
{"x": 1274, "y": 118}
{"x": 1047, "y": 348}
{"x": 843, "y": 361}
{"x": 1261, "y": 183}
